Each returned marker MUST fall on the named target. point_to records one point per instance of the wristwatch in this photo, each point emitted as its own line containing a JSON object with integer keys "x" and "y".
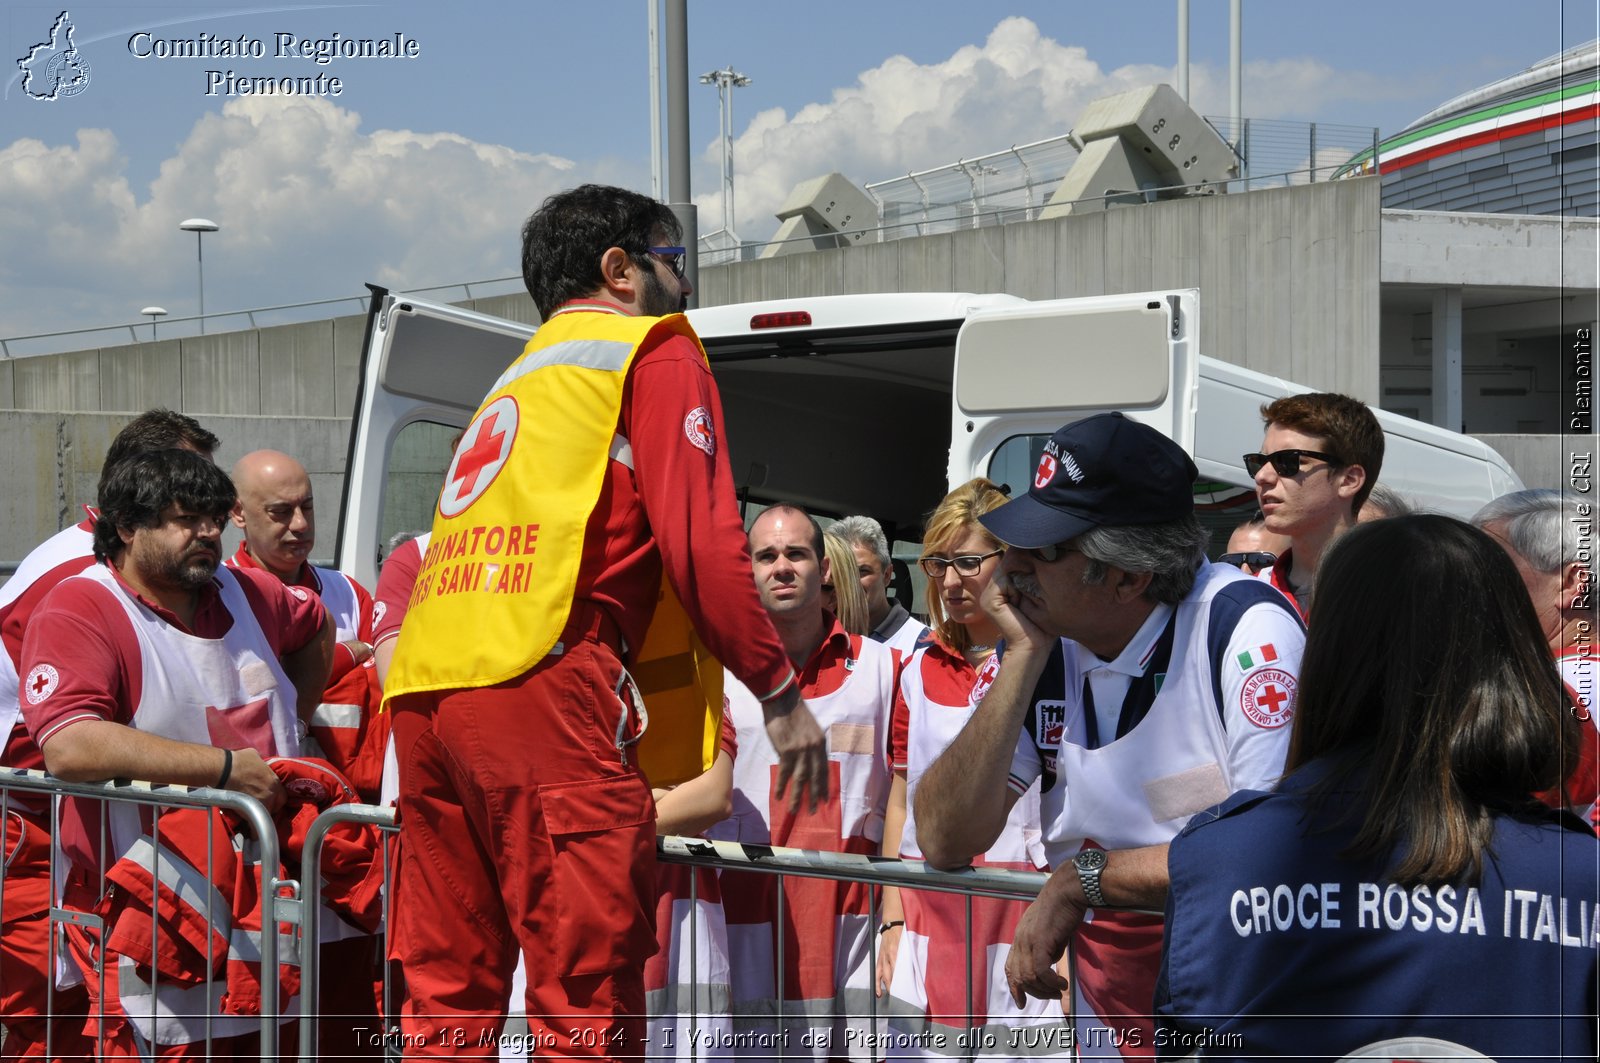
{"x": 1090, "y": 863}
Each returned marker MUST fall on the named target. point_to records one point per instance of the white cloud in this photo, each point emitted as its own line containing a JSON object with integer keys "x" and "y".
{"x": 1018, "y": 87}
{"x": 310, "y": 207}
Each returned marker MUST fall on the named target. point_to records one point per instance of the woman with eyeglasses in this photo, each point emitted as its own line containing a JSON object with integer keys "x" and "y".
{"x": 923, "y": 938}
{"x": 1398, "y": 895}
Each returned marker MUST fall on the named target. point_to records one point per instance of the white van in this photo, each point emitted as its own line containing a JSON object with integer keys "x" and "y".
{"x": 879, "y": 404}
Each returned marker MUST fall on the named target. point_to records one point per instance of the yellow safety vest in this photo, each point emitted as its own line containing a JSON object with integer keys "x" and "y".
{"x": 681, "y": 683}
{"x": 496, "y": 584}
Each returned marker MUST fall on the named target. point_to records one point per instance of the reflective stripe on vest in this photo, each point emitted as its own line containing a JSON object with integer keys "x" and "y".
{"x": 496, "y": 583}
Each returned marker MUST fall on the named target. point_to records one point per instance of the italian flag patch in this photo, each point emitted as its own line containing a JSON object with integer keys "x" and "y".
{"x": 1256, "y": 658}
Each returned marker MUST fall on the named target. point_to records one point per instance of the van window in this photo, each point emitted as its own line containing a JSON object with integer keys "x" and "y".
{"x": 416, "y": 468}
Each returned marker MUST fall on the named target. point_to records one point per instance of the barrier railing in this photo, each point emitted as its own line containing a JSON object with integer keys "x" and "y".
{"x": 311, "y": 930}
{"x": 301, "y": 906}
{"x": 276, "y": 909}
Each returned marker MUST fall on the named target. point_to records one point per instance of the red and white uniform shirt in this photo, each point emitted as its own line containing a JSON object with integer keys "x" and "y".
{"x": 64, "y": 554}
{"x": 1195, "y": 707}
{"x": 346, "y": 727}
{"x": 672, "y": 980}
{"x": 396, "y": 579}
{"x": 96, "y": 650}
{"x": 849, "y": 685}
{"x": 929, "y": 1009}
{"x": 1277, "y": 574}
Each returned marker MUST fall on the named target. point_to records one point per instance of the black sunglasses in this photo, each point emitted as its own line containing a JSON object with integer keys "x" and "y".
{"x": 1284, "y": 462}
{"x": 965, "y": 565}
{"x": 675, "y": 258}
{"x": 1255, "y": 560}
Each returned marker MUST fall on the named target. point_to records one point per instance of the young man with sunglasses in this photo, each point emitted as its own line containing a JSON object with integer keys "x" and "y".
{"x": 594, "y": 468}
{"x": 1318, "y": 462}
{"x": 1138, "y": 684}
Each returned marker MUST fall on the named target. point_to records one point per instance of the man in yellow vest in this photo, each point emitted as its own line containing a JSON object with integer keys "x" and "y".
{"x": 595, "y": 466}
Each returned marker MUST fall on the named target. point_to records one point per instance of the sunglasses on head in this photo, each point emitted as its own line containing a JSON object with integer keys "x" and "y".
{"x": 673, "y": 257}
{"x": 965, "y": 565}
{"x": 1284, "y": 462}
{"x": 1255, "y": 560}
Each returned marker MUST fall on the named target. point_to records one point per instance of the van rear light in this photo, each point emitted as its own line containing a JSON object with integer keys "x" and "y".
{"x": 786, "y": 319}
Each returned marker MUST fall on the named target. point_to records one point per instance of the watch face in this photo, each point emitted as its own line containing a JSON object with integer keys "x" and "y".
{"x": 1090, "y": 859}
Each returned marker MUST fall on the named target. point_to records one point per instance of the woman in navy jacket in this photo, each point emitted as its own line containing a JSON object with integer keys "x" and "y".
{"x": 1401, "y": 882}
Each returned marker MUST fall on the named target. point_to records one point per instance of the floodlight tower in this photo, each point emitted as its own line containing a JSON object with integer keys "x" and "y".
{"x": 726, "y": 80}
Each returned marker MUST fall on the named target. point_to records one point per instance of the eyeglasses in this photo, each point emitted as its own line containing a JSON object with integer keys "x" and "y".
{"x": 1048, "y": 554}
{"x": 1255, "y": 560}
{"x": 675, "y": 258}
{"x": 965, "y": 565}
{"x": 1284, "y": 462}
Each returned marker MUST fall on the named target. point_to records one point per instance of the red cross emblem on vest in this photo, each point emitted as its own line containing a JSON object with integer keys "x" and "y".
{"x": 481, "y": 454}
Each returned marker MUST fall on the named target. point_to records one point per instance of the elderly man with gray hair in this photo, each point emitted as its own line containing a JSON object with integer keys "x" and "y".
{"x": 1550, "y": 540}
{"x": 891, "y": 623}
{"x": 1138, "y": 685}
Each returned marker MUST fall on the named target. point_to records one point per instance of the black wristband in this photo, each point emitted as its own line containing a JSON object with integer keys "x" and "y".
{"x": 227, "y": 768}
{"x": 884, "y": 928}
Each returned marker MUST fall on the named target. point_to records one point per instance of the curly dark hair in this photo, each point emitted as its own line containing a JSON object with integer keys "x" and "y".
{"x": 136, "y": 491}
{"x": 563, "y": 240}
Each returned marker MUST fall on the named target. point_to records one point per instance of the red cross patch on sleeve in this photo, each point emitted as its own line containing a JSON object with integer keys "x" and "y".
{"x": 41, "y": 683}
{"x": 1267, "y": 698}
{"x": 697, "y": 427}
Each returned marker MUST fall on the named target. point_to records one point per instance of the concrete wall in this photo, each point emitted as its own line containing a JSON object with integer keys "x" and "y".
{"x": 1497, "y": 250}
{"x": 51, "y": 462}
{"x": 1288, "y": 278}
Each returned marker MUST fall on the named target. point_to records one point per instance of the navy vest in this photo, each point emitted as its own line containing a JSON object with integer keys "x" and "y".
{"x": 1275, "y": 945}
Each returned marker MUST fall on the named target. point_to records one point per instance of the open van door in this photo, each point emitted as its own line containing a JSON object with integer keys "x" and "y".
{"x": 1021, "y": 372}
{"x": 425, "y": 367}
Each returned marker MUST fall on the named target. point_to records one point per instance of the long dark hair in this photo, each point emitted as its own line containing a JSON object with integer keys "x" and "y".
{"x": 1427, "y": 685}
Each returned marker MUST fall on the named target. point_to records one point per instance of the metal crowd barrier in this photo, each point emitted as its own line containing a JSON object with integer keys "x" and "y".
{"x": 311, "y": 930}
{"x": 159, "y": 799}
{"x": 851, "y": 867}
{"x": 301, "y": 905}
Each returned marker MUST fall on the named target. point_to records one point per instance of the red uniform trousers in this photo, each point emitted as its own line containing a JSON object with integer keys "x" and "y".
{"x": 522, "y": 827}
{"x": 26, "y": 1000}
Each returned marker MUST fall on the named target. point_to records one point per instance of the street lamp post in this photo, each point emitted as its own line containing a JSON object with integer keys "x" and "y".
{"x": 726, "y": 80}
{"x": 200, "y": 226}
{"x": 153, "y": 312}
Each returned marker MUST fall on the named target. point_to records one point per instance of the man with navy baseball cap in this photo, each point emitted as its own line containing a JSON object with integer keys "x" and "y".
{"x": 1137, "y": 683}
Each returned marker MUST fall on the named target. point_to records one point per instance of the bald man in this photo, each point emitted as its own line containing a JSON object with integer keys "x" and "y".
{"x": 275, "y": 513}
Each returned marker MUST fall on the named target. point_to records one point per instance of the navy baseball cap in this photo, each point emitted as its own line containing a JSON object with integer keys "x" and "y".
{"x": 1104, "y": 470}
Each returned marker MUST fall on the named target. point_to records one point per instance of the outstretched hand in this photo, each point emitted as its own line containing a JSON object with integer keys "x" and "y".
{"x": 802, "y": 750}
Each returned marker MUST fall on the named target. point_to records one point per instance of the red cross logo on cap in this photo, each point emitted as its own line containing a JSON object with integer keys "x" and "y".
{"x": 484, "y": 448}
{"x": 1047, "y": 471}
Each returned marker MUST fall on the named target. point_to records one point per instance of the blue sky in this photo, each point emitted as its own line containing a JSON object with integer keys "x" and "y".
{"x": 420, "y": 171}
